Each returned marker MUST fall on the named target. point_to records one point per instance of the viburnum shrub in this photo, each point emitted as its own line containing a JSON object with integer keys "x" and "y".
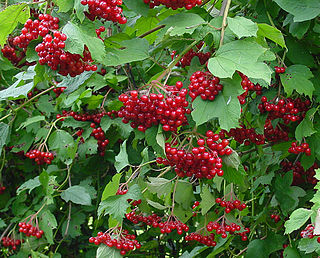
{"x": 155, "y": 128}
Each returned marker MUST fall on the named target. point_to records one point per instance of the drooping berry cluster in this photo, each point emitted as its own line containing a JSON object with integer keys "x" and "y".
{"x": 118, "y": 239}
{"x": 99, "y": 135}
{"x": 59, "y": 90}
{"x": 153, "y": 109}
{"x": 51, "y": 52}
{"x": 308, "y": 232}
{"x": 187, "y": 58}
{"x": 303, "y": 148}
{"x": 243, "y": 234}
{"x": 275, "y": 134}
{"x": 275, "y": 217}
{"x": 86, "y": 117}
{"x": 300, "y": 176}
{"x": 30, "y": 230}
{"x": 2, "y": 189}
{"x": 207, "y": 240}
{"x": 12, "y": 53}
{"x": 248, "y": 85}
{"x": 10, "y": 242}
{"x": 151, "y": 220}
{"x": 202, "y": 162}
{"x": 279, "y": 69}
{"x": 204, "y": 84}
{"x": 108, "y": 10}
{"x": 245, "y": 135}
{"x": 174, "y": 4}
{"x": 222, "y": 228}
{"x": 40, "y": 157}
{"x": 99, "y": 31}
{"x": 288, "y": 110}
{"x": 231, "y": 205}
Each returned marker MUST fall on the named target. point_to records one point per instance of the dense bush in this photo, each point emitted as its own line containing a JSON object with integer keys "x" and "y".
{"x": 155, "y": 128}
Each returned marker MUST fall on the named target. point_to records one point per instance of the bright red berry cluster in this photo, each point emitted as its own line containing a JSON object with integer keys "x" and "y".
{"x": 303, "y": 148}
{"x": 279, "y": 69}
{"x": 307, "y": 232}
{"x": 10, "y": 242}
{"x": 231, "y": 205}
{"x": 288, "y": 110}
{"x": 2, "y": 189}
{"x": 146, "y": 110}
{"x": 95, "y": 118}
{"x": 40, "y": 157}
{"x": 245, "y": 135}
{"x": 99, "y": 31}
{"x": 151, "y": 220}
{"x": 108, "y": 10}
{"x": 275, "y": 134}
{"x": 59, "y": 90}
{"x": 202, "y": 162}
{"x": 275, "y": 217}
{"x": 187, "y": 58}
{"x": 206, "y": 240}
{"x": 300, "y": 176}
{"x": 222, "y": 228}
{"x": 204, "y": 84}
{"x": 30, "y": 230}
{"x": 174, "y": 4}
{"x": 12, "y": 53}
{"x": 100, "y": 136}
{"x": 248, "y": 85}
{"x": 120, "y": 240}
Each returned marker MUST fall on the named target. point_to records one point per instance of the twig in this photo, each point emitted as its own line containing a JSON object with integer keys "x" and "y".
{"x": 151, "y": 31}
{"x": 224, "y": 21}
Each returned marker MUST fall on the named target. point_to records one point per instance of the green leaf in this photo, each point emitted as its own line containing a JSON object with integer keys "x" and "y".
{"x": 297, "y": 78}
{"x": 225, "y": 105}
{"x": 30, "y": 121}
{"x": 112, "y": 187}
{"x": 124, "y": 129}
{"x": 117, "y": 205}
{"x": 240, "y": 55}
{"x": 131, "y": 51}
{"x": 160, "y": 186}
{"x": 73, "y": 83}
{"x": 44, "y": 105}
{"x": 156, "y": 205}
{"x": 4, "y": 133}
{"x": 76, "y": 194}
{"x": 297, "y": 219}
{"x": 272, "y": 33}
{"x": 305, "y": 128}
{"x": 235, "y": 176}
{"x": 184, "y": 194}
{"x": 77, "y": 219}
{"x": 64, "y": 5}
{"x": 122, "y": 158}
{"x": 207, "y": 200}
{"x": 2, "y": 223}
{"x": 15, "y": 91}
{"x": 301, "y": 10}
{"x": 232, "y": 160}
{"x": 104, "y": 251}
{"x": 44, "y": 180}
{"x": 308, "y": 245}
{"x": 291, "y": 252}
{"x": 138, "y": 7}
{"x": 242, "y": 27}
{"x": 10, "y": 18}
{"x": 63, "y": 143}
{"x": 181, "y": 23}
{"x": 299, "y": 29}
{"x": 79, "y": 36}
{"x": 47, "y": 223}
{"x": 89, "y": 147}
{"x": 153, "y": 139}
{"x": 29, "y": 185}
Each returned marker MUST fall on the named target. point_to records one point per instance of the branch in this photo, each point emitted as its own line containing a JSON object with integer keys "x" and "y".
{"x": 224, "y": 21}
{"x": 151, "y": 31}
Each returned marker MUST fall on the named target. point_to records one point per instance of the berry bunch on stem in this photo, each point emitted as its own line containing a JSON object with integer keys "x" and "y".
{"x": 248, "y": 86}
{"x": 203, "y": 161}
{"x": 231, "y": 204}
{"x": 202, "y": 236}
{"x": 30, "y": 230}
{"x": 40, "y": 157}
{"x": 296, "y": 149}
{"x": 168, "y": 106}
{"x": 174, "y": 4}
{"x": 117, "y": 238}
{"x": 11, "y": 242}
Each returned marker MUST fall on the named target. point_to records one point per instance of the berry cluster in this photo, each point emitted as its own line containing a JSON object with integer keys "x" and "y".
{"x": 279, "y": 69}
{"x": 300, "y": 176}
{"x": 10, "y": 242}
{"x": 204, "y": 84}
{"x": 59, "y": 90}
{"x": 195, "y": 205}
{"x": 248, "y": 85}
{"x": 174, "y": 4}
{"x": 275, "y": 217}
{"x": 206, "y": 240}
{"x": 123, "y": 189}
{"x": 308, "y": 232}
{"x": 186, "y": 59}
{"x": 12, "y": 53}
{"x": 243, "y": 234}
{"x": 222, "y": 228}
{"x": 105, "y": 9}
{"x": 147, "y": 110}
{"x": 231, "y": 205}
{"x": 40, "y": 157}
{"x": 303, "y": 148}
{"x": 95, "y": 118}
{"x": 275, "y": 134}
{"x": 29, "y": 230}
{"x": 202, "y": 161}
{"x": 51, "y": 52}
{"x": 2, "y": 189}
{"x": 151, "y": 220}
{"x": 99, "y": 135}
{"x": 118, "y": 239}
{"x": 99, "y": 31}
{"x": 288, "y": 110}
{"x": 245, "y": 135}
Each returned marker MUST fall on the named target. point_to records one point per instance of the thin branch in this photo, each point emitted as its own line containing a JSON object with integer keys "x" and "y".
{"x": 224, "y": 21}
{"x": 151, "y": 31}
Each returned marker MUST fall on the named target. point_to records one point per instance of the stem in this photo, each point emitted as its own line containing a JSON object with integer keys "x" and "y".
{"x": 2, "y": 166}
{"x": 224, "y": 21}
{"x": 151, "y": 31}
{"x": 173, "y": 195}
{"x": 67, "y": 178}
